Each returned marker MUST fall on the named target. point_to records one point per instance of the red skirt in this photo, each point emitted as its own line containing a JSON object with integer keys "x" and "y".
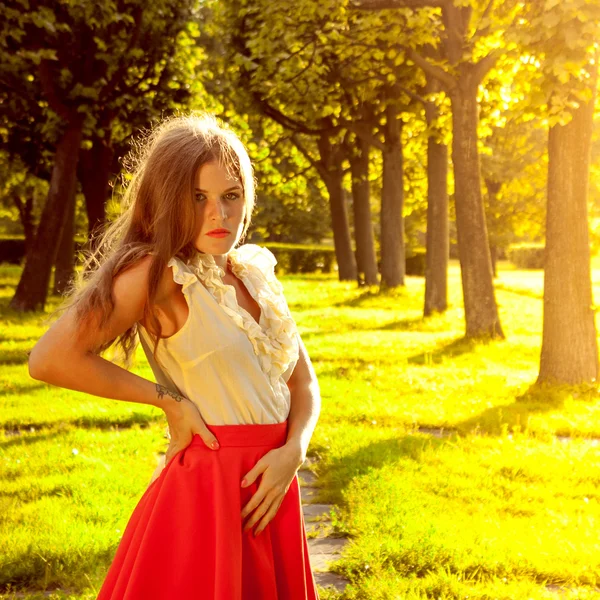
{"x": 185, "y": 538}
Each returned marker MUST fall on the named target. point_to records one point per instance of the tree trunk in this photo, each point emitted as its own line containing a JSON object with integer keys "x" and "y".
{"x": 333, "y": 175}
{"x": 64, "y": 266}
{"x": 437, "y": 239}
{"x": 493, "y": 188}
{"x": 94, "y": 175}
{"x": 494, "y": 259}
{"x": 344, "y": 254}
{"x": 569, "y": 342}
{"x": 32, "y": 289}
{"x": 481, "y": 311}
{"x": 363, "y": 226}
{"x": 25, "y": 208}
{"x": 393, "y": 266}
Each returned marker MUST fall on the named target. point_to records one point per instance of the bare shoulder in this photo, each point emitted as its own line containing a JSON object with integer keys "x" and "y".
{"x": 72, "y": 334}
{"x": 130, "y": 295}
{"x": 137, "y": 276}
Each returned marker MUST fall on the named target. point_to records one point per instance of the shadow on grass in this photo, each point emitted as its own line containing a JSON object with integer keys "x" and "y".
{"x": 28, "y": 439}
{"x": 21, "y": 390}
{"x": 354, "y": 366}
{"x": 14, "y": 357}
{"x": 372, "y": 293}
{"x": 61, "y": 570}
{"x": 340, "y": 472}
{"x": 527, "y": 293}
{"x": 33, "y": 494}
{"x": 22, "y": 434}
{"x": 418, "y": 324}
{"x": 455, "y": 348}
{"x": 538, "y": 399}
{"x": 415, "y": 324}
{"x": 403, "y": 325}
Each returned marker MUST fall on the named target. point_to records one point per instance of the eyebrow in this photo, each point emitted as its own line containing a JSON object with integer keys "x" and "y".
{"x": 235, "y": 187}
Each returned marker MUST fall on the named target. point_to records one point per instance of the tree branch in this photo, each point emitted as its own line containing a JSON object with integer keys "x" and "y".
{"x": 314, "y": 163}
{"x": 47, "y": 78}
{"x": 285, "y": 121}
{"x": 484, "y": 30}
{"x": 119, "y": 73}
{"x": 442, "y": 76}
{"x": 380, "y": 4}
{"x": 362, "y": 132}
{"x": 400, "y": 88}
{"x": 481, "y": 68}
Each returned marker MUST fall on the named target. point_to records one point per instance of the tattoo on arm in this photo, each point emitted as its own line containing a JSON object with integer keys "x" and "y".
{"x": 161, "y": 390}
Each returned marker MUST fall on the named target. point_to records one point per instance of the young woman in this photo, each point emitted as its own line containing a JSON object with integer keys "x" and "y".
{"x": 221, "y": 518}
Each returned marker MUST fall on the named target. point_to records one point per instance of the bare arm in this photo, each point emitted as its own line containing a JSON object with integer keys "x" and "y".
{"x": 305, "y": 404}
{"x": 64, "y": 356}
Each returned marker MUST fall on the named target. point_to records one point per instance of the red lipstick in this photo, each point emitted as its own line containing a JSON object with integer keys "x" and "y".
{"x": 219, "y": 233}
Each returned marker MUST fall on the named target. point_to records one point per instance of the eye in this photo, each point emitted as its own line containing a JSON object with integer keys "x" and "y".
{"x": 232, "y": 196}
{"x": 200, "y": 196}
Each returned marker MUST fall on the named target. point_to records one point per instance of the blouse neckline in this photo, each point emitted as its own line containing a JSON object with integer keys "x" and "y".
{"x": 207, "y": 268}
{"x": 274, "y": 338}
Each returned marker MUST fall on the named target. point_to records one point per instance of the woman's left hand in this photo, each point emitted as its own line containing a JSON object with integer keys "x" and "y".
{"x": 278, "y": 468}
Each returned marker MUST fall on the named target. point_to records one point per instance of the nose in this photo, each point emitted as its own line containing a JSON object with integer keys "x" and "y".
{"x": 216, "y": 210}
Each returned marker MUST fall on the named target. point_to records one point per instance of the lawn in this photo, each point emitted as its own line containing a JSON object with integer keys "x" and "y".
{"x": 504, "y": 505}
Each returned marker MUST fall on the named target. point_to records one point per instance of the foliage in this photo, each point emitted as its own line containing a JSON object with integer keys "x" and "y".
{"x": 514, "y": 156}
{"x": 303, "y": 260}
{"x": 317, "y": 68}
{"x": 111, "y": 67}
{"x": 562, "y": 37}
{"x": 527, "y": 256}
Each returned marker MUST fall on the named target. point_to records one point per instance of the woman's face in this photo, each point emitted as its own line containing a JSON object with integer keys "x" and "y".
{"x": 220, "y": 205}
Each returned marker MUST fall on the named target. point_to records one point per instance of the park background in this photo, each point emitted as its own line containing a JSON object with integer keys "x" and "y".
{"x": 429, "y": 179}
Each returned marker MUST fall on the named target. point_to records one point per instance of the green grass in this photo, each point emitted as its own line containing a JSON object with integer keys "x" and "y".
{"x": 500, "y": 508}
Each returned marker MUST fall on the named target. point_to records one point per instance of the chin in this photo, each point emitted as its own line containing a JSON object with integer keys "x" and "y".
{"x": 215, "y": 246}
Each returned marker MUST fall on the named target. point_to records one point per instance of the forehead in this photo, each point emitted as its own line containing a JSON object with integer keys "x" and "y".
{"x": 215, "y": 175}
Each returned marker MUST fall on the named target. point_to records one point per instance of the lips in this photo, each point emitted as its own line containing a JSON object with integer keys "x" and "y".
{"x": 218, "y": 233}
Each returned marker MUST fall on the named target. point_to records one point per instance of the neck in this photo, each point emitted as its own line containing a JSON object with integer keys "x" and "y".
{"x": 221, "y": 260}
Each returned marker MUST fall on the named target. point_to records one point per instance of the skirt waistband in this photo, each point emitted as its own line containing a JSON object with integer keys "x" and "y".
{"x": 246, "y": 434}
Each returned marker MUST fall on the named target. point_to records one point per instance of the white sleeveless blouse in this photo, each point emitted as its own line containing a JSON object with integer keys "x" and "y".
{"x": 234, "y": 369}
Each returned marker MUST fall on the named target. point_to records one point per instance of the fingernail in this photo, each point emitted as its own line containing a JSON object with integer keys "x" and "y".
{"x": 215, "y": 445}
{"x": 243, "y": 482}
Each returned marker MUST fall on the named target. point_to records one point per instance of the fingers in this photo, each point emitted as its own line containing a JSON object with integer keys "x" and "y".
{"x": 264, "y": 514}
{"x": 255, "y": 471}
{"x": 202, "y": 430}
{"x": 260, "y": 502}
{"x": 208, "y": 438}
{"x": 169, "y": 456}
{"x": 256, "y": 499}
{"x": 190, "y": 422}
{"x": 269, "y": 516}
{"x": 261, "y": 510}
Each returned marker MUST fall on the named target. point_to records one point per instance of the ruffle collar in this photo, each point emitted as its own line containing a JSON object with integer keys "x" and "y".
{"x": 274, "y": 339}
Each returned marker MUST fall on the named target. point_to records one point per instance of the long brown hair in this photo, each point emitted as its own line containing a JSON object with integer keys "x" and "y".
{"x": 158, "y": 217}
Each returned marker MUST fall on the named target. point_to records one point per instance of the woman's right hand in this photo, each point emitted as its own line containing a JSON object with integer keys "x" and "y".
{"x": 184, "y": 421}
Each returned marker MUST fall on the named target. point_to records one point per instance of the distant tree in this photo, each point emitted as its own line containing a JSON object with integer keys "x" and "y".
{"x": 470, "y": 51}
{"x": 312, "y": 68}
{"x": 21, "y": 195}
{"x": 513, "y": 149}
{"x": 86, "y": 64}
